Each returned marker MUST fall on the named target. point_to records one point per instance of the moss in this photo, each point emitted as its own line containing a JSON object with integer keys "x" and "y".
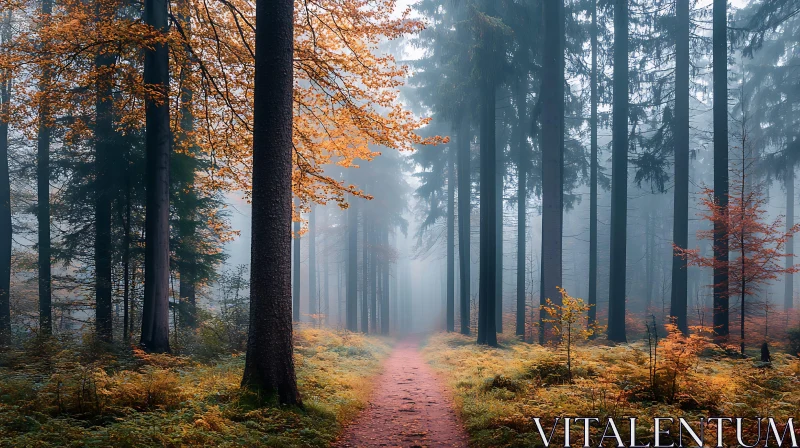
{"x": 498, "y": 391}
{"x": 162, "y": 400}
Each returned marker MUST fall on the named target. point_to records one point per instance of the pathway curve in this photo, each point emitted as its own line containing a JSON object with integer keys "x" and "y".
{"x": 408, "y": 407}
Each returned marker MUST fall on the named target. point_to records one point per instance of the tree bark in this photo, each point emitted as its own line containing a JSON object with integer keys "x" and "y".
{"x": 464, "y": 194}
{"x": 720, "y": 113}
{"x": 680, "y": 227}
{"x": 43, "y": 196}
{"x": 269, "y": 366}
{"x": 487, "y": 330}
{"x": 104, "y": 154}
{"x": 593, "y": 175}
{"x": 619, "y": 176}
{"x": 451, "y": 250}
{"x": 5, "y": 195}
{"x": 155, "y": 313}
{"x": 552, "y": 157}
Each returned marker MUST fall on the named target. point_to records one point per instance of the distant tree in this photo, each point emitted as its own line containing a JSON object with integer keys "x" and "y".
{"x": 269, "y": 366}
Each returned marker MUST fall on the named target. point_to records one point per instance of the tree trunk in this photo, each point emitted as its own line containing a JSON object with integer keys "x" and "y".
{"x": 313, "y": 302}
{"x": 788, "y": 295}
{"x": 351, "y": 307}
{"x": 464, "y": 193}
{"x": 269, "y": 366}
{"x": 5, "y": 195}
{"x": 451, "y": 238}
{"x": 187, "y": 226}
{"x": 680, "y": 226}
{"x": 325, "y": 306}
{"x": 552, "y": 157}
{"x": 126, "y": 255}
{"x": 649, "y": 258}
{"x": 373, "y": 282}
{"x": 104, "y": 154}
{"x": 155, "y": 314}
{"x": 720, "y": 112}
{"x": 368, "y": 247}
{"x": 522, "y": 191}
{"x": 593, "y": 175}
{"x": 296, "y": 267}
{"x": 487, "y": 330}
{"x": 43, "y": 196}
{"x": 498, "y": 295}
{"x": 619, "y": 176}
{"x": 385, "y": 318}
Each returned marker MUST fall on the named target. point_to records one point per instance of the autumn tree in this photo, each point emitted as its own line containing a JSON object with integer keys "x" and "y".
{"x": 269, "y": 366}
{"x": 566, "y": 319}
{"x": 757, "y": 245}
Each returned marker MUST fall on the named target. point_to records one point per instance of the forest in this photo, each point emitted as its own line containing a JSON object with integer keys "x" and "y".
{"x": 407, "y": 223}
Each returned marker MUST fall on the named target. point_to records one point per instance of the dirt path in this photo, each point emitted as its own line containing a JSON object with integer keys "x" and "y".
{"x": 408, "y": 407}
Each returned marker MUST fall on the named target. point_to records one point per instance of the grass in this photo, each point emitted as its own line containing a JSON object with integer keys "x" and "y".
{"x": 55, "y": 395}
{"x": 499, "y": 391}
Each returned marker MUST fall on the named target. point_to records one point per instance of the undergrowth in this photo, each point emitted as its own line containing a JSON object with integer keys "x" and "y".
{"x": 498, "y": 391}
{"x": 56, "y": 394}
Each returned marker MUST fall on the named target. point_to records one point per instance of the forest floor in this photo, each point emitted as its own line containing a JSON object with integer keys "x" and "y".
{"x": 498, "y": 391}
{"x": 408, "y": 407}
{"x": 60, "y": 393}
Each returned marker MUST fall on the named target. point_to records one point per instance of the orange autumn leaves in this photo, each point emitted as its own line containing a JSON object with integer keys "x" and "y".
{"x": 345, "y": 96}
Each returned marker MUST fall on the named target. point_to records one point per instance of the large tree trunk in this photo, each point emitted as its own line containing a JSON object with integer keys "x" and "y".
{"x": 464, "y": 193}
{"x": 5, "y": 195}
{"x": 680, "y": 225}
{"x": 43, "y": 196}
{"x": 351, "y": 307}
{"x": 104, "y": 154}
{"x": 720, "y": 107}
{"x": 552, "y": 157}
{"x": 269, "y": 366}
{"x": 619, "y": 176}
{"x": 522, "y": 191}
{"x": 593, "y": 175}
{"x": 313, "y": 302}
{"x": 487, "y": 323}
{"x": 296, "y": 267}
{"x": 788, "y": 295}
{"x": 155, "y": 314}
{"x": 451, "y": 238}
